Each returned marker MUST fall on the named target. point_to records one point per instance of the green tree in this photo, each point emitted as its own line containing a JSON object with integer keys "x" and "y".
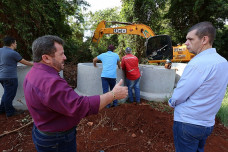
{"x": 93, "y": 19}
{"x": 148, "y": 12}
{"x": 185, "y": 13}
{"x": 221, "y": 41}
{"x": 27, "y": 20}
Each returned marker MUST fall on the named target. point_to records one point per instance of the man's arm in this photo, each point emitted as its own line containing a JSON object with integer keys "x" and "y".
{"x": 191, "y": 79}
{"x": 118, "y": 63}
{"x": 123, "y": 64}
{"x": 25, "y": 62}
{"x": 95, "y": 61}
{"x": 118, "y": 92}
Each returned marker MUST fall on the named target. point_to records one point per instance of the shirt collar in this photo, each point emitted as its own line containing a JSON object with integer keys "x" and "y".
{"x": 45, "y": 67}
{"x": 208, "y": 51}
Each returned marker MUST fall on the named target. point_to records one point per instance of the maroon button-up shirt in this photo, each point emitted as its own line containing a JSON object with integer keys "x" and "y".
{"x": 52, "y": 103}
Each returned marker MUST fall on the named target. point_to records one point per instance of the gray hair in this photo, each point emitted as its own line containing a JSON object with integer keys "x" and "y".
{"x": 205, "y": 29}
{"x": 45, "y": 45}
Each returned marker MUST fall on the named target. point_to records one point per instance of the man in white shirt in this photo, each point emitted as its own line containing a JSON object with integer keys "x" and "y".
{"x": 200, "y": 91}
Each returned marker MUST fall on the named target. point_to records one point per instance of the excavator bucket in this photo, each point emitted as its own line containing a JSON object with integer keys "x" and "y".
{"x": 159, "y": 48}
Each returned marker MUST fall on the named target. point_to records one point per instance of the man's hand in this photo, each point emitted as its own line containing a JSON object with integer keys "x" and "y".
{"x": 25, "y": 62}
{"x": 95, "y": 62}
{"x": 171, "y": 103}
{"x": 119, "y": 91}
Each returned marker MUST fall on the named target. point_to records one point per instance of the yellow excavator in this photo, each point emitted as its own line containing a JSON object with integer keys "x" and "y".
{"x": 158, "y": 47}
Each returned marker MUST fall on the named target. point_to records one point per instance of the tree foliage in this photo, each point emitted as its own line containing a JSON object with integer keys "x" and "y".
{"x": 110, "y": 14}
{"x": 27, "y": 20}
{"x": 148, "y": 12}
{"x": 186, "y": 13}
{"x": 183, "y": 14}
{"x": 221, "y": 41}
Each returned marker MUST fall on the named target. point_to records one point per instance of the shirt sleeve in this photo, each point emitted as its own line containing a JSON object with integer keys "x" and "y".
{"x": 63, "y": 99}
{"x": 191, "y": 79}
{"x": 99, "y": 57}
{"x": 17, "y": 56}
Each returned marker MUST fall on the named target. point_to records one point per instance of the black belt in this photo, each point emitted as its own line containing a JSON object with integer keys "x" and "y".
{"x": 57, "y": 133}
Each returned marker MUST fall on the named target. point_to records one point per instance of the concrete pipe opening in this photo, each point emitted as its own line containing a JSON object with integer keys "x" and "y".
{"x": 156, "y": 82}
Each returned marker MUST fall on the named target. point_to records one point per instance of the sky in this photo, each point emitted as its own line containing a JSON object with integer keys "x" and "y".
{"x": 102, "y": 4}
{"x": 96, "y": 5}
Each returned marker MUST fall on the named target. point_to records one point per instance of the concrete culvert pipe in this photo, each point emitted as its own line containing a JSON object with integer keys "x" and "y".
{"x": 89, "y": 79}
{"x": 156, "y": 83}
{"x": 19, "y": 100}
{"x": 180, "y": 69}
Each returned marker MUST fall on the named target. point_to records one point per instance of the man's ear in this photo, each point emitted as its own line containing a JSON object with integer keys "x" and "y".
{"x": 205, "y": 40}
{"x": 46, "y": 58}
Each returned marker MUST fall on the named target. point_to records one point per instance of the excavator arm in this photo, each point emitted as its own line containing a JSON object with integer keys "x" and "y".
{"x": 158, "y": 48}
{"x": 130, "y": 28}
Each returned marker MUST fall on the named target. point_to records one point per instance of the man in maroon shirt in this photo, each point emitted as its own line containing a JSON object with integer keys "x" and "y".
{"x": 54, "y": 106}
{"x": 130, "y": 66}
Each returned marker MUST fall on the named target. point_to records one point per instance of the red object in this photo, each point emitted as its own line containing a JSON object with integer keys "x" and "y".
{"x": 130, "y": 64}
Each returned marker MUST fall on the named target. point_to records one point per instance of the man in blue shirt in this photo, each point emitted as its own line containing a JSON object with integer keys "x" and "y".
{"x": 8, "y": 75}
{"x": 200, "y": 91}
{"x": 108, "y": 75}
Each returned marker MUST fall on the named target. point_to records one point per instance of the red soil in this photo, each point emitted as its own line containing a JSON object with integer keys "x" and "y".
{"x": 126, "y": 128}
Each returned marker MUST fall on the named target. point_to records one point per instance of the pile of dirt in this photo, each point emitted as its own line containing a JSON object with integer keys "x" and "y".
{"x": 70, "y": 74}
{"x": 128, "y": 127}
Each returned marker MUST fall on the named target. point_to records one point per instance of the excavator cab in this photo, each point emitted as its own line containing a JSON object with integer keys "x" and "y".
{"x": 159, "y": 48}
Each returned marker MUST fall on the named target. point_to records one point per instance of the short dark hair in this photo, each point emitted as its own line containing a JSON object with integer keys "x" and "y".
{"x": 111, "y": 47}
{"x": 8, "y": 41}
{"x": 45, "y": 45}
{"x": 205, "y": 29}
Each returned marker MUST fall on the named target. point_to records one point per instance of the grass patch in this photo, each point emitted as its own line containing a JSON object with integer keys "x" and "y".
{"x": 161, "y": 106}
{"x": 223, "y": 111}
{"x": 222, "y": 114}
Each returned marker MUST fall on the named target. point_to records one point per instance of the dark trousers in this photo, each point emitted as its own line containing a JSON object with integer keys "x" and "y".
{"x": 55, "y": 142}
{"x": 10, "y": 90}
{"x": 106, "y": 84}
{"x": 190, "y": 137}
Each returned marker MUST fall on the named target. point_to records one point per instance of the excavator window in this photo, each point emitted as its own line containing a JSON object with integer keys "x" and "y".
{"x": 159, "y": 48}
